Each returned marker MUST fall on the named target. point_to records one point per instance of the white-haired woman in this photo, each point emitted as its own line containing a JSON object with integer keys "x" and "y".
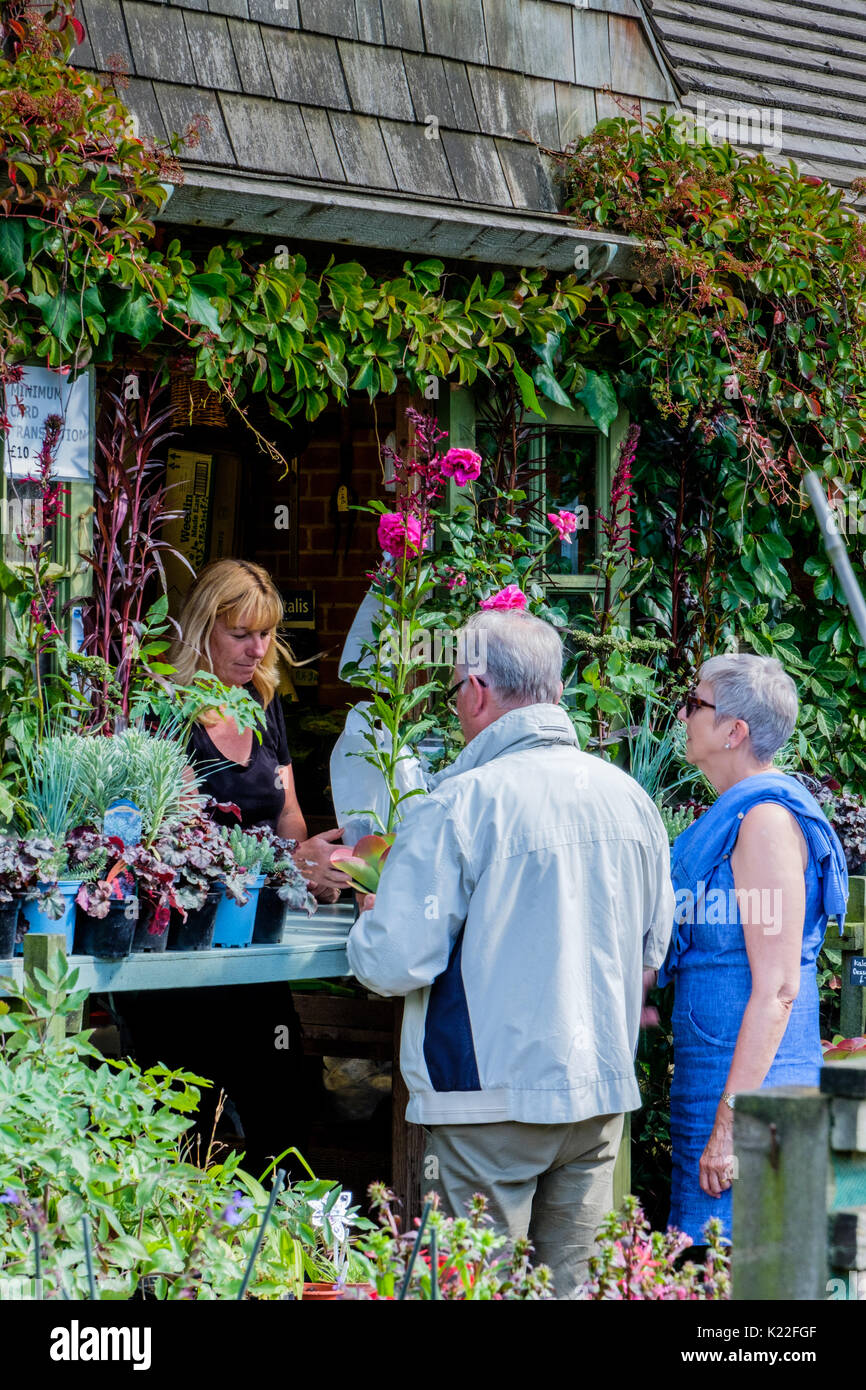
{"x": 756, "y": 877}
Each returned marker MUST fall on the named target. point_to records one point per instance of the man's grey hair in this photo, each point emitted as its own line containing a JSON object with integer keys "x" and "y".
{"x": 518, "y": 655}
{"x": 759, "y": 690}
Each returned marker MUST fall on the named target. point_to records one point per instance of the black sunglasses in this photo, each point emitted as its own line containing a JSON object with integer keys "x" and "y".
{"x": 694, "y": 702}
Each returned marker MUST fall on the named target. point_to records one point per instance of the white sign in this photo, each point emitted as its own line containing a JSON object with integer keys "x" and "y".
{"x": 42, "y": 392}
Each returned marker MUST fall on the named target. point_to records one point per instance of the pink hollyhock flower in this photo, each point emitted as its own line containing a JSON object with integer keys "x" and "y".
{"x": 462, "y": 465}
{"x": 398, "y": 534}
{"x": 563, "y": 523}
{"x": 457, "y": 581}
{"x": 508, "y": 598}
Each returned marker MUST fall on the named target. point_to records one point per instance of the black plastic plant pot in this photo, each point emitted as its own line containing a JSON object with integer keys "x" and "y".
{"x": 268, "y": 926}
{"x": 8, "y": 923}
{"x": 110, "y": 936}
{"x": 145, "y": 939}
{"x": 196, "y": 933}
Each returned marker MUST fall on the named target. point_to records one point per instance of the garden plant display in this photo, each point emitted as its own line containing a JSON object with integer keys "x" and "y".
{"x": 170, "y": 1223}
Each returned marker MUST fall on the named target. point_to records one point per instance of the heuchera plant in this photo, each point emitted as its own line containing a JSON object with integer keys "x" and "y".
{"x": 202, "y": 861}
{"x": 21, "y": 859}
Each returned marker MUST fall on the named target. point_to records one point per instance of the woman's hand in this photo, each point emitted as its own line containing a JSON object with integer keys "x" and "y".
{"x": 716, "y": 1168}
{"x": 313, "y": 858}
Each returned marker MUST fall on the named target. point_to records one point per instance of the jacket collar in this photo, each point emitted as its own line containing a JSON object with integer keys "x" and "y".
{"x": 531, "y": 726}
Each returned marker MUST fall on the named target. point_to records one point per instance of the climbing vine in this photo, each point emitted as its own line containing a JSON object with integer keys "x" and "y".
{"x": 84, "y": 278}
{"x": 742, "y": 348}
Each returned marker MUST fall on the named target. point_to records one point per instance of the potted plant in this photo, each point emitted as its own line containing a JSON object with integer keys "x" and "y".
{"x": 284, "y": 889}
{"x": 20, "y": 862}
{"x": 325, "y": 1227}
{"x": 204, "y": 869}
{"x": 236, "y": 913}
{"x": 148, "y": 776}
{"x": 50, "y": 806}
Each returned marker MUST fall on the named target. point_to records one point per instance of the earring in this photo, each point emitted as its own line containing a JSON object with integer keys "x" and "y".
{"x": 727, "y": 745}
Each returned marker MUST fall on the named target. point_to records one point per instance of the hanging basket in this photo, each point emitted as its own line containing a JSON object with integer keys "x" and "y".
{"x": 194, "y": 403}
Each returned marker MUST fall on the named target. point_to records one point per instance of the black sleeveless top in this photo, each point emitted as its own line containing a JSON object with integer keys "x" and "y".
{"x": 256, "y": 789}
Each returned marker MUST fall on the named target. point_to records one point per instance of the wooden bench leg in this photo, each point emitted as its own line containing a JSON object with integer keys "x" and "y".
{"x": 407, "y": 1141}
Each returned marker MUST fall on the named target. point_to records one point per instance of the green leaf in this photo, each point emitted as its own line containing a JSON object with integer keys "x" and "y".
{"x": 12, "y": 251}
{"x": 547, "y": 350}
{"x": 60, "y": 314}
{"x": 527, "y": 390}
{"x": 200, "y": 310}
{"x": 600, "y": 400}
{"x": 137, "y": 318}
{"x": 544, "y": 378}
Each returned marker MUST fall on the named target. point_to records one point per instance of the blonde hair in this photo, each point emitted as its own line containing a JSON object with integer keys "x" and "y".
{"x": 242, "y": 595}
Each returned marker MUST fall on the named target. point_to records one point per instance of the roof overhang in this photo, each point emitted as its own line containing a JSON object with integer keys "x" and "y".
{"x": 352, "y": 217}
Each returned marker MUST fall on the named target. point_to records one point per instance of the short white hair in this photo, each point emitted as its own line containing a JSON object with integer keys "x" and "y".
{"x": 759, "y": 690}
{"x": 521, "y": 656}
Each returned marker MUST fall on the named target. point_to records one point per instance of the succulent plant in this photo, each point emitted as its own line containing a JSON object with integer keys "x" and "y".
{"x": 362, "y": 863}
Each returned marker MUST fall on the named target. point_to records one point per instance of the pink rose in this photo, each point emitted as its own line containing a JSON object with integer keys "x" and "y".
{"x": 462, "y": 465}
{"x": 508, "y": 598}
{"x": 563, "y": 523}
{"x": 398, "y": 534}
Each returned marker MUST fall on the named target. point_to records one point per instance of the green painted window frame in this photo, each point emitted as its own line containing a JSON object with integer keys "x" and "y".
{"x": 457, "y": 414}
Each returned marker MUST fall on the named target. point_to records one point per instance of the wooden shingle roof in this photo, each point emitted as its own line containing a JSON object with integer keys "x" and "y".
{"x": 432, "y": 110}
{"x": 802, "y": 68}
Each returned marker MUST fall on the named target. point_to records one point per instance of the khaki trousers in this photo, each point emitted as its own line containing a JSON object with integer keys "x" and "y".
{"x": 552, "y": 1183}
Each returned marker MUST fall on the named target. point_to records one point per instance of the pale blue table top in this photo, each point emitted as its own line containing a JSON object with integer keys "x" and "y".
{"x": 312, "y": 948}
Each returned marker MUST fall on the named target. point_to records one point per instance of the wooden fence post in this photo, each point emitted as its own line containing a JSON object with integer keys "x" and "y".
{"x": 43, "y": 951}
{"x": 47, "y": 951}
{"x": 844, "y": 1083}
{"x": 781, "y": 1170}
{"x": 622, "y": 1168}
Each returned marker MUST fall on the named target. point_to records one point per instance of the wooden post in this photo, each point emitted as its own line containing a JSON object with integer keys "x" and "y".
{"x": 853, "y": 1002}
{"x": 407, "y": 1140}
{"x": 47, "y": 951}
{"x": 622, "y": 1170}
{"x": 781, "y": 1148}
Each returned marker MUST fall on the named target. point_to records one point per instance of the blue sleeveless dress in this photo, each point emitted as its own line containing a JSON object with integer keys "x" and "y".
{"x": 708, "y": 961}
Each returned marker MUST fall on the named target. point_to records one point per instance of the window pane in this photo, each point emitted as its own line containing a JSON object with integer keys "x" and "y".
{"x": 571, "y": 487}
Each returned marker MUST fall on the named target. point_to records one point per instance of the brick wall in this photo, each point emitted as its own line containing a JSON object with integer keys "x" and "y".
{"x": 339, "y": 579}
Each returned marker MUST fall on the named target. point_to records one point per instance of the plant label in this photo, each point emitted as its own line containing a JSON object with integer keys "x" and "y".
{"x": 123, "y": 820}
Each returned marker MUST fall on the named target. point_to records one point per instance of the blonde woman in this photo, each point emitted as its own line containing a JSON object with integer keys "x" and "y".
{"x": 227, "y": 1033}
{"x": 229, "y": 627}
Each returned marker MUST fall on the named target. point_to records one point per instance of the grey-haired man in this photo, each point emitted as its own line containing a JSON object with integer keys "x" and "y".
{"x": 521, "y": 903}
